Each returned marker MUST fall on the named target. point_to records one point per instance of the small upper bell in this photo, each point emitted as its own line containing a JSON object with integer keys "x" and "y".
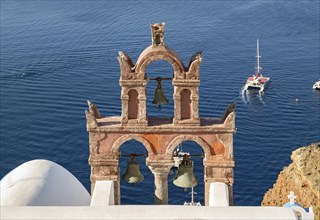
{"x": 159, "y": 97}
{"x": 185, "y": 177}
{"x": 132, "y": 174}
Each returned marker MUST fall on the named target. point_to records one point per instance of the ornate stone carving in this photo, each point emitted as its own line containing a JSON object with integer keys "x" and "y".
{"x": 123, "y": 57}
{"x": 219, "y": 174}
{"x": 94, "y": 139}
{"x": 229, "y": 116}
{"x": 157, "y": 32}
{"x": 91, "y": 121}
{"x": 93, "y": 109}
{"x": 231, "y": 108}
{"x": 126, "y": 66}
{"x": 194, "y": 66}
{"x": 104, "y": 171}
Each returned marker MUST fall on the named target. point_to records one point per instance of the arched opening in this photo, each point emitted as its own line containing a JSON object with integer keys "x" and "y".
{"x": 185, "y": 104}
{"x": 161, "y": 69}
{"x": 158, "y": 39}
{"x": 179, "y": 195}
{"x": 133, "y": 105}
{"x": 140, "y": 193}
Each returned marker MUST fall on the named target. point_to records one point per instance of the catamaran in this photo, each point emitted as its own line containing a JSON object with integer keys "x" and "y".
{"x": 257, "y": 81}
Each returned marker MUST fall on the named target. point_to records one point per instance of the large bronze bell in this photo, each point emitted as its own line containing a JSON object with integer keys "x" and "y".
{"x": 185, "y": 177}
{"x": 159, "y": 97}
{"x": 132, "y": 174}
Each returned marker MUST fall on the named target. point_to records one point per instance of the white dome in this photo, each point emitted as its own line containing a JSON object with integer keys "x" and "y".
{"x": 42, "y": 183}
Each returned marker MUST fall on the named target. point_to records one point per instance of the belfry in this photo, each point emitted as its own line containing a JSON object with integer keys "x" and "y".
{"x": 160, "y": 136}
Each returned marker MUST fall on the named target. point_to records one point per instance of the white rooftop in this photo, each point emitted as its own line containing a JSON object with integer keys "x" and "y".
{"x": 147, "y": 212}
{"x": 41, "y": 189}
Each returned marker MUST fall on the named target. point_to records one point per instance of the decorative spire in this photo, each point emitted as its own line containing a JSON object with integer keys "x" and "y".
{"x": 157, "y": 32}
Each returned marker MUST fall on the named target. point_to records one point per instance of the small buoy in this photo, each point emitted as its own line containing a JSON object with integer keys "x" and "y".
{"x": 297, "y": 100}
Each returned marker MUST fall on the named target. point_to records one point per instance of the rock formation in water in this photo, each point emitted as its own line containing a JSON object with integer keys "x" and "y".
{"x": 302, "y": 177}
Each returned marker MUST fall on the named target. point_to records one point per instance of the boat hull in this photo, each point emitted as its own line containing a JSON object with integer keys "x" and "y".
{"x": 257, "y": 85}
{"x": 316, "y": 85}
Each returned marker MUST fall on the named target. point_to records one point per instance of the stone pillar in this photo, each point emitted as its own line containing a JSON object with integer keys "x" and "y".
{"x": 105, "y": 169}
{"x": 124, "y": 107}
{"x": 142, "y": 119}
{"x": 219, "y": 173}
{"x": 195, "y": 106}
{"x": 177, "y": 106}
{"x": 160, "y": 173}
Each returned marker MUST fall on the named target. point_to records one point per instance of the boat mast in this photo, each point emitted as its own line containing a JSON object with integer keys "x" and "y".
{"x": 258, "y": 58}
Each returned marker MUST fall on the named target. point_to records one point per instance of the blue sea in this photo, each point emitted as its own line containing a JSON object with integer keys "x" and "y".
{"x": 56, "y": 55}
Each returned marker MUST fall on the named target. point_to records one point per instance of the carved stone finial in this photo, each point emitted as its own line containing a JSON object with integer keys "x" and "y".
{"x": 229, "y": 115}
{"x": 93, "y": 109}
{"x": 157, "y": 32}
{"x": 232, "y": 107}
{"x": 124, "y": 57}
{"x": 194, "y": 66}
{"x": 196, "y": 56}
{"x": 126, "y": 65}
{"x": 91, "y": 120}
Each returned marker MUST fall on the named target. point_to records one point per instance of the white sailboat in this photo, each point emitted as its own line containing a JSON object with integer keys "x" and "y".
{"x": 257, "y": 81}
{"x": 316, "y": 85}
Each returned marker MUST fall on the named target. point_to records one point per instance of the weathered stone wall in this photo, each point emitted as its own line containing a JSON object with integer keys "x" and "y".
{"x": 302, "y": 177}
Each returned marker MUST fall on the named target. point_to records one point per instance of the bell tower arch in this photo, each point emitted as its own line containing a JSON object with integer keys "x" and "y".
{"x": 160, "y": 135}
{"x": 185, "y": 81}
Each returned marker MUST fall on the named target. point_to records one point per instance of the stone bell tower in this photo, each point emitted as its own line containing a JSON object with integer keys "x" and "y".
{"x": 160, "y": 136}
{"x": 133, "y": 81}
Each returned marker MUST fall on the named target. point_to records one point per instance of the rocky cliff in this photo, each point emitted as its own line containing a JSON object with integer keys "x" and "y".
{"x": 302, "y": 177}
